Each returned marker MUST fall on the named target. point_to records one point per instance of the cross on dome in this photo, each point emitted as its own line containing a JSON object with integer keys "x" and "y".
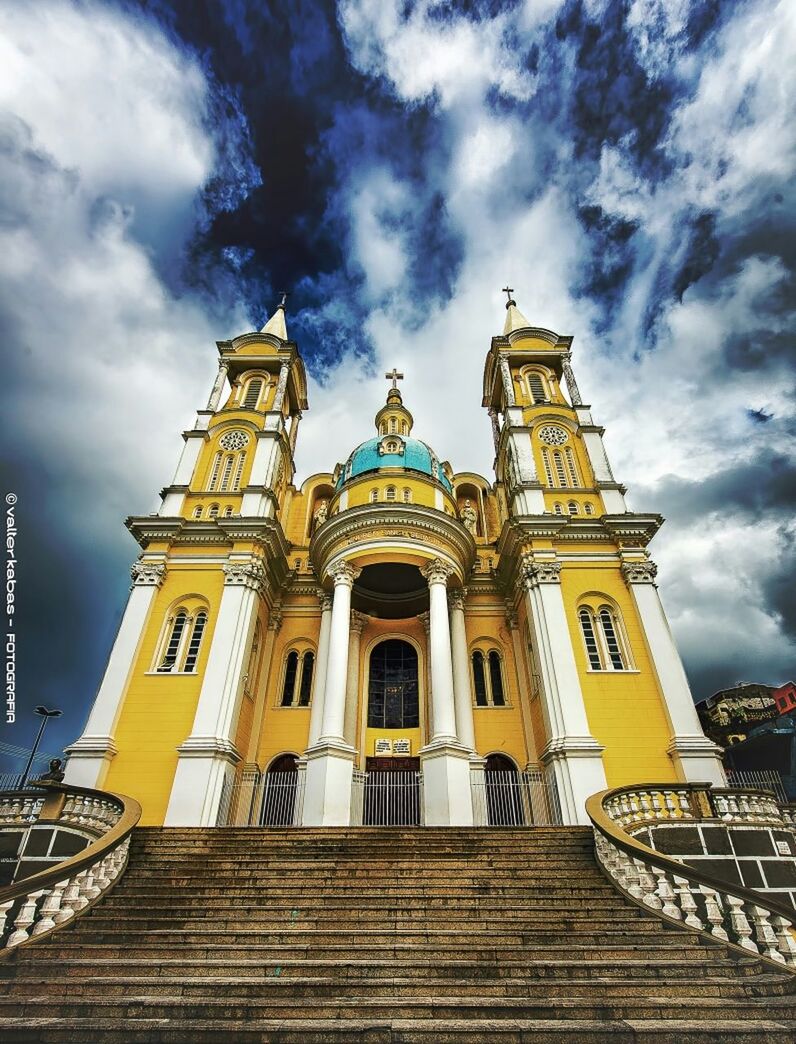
{"x": 394, "y": 377}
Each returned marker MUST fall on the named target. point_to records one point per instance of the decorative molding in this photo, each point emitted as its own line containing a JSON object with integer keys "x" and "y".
{"x": 343, "y": 573}
{"x": 457, "y": 598}
{"x": 275, "y": 620}
{"x": 533, "y": 572}
{"x": 246, "y": 574}
{"x": 425, "y": 619}
{"x": 325, "y": 599}
{"x": 505, "y": 376}
{"x": 572, "y": 384}
{"x": 639, "y": 572}
{"x": 147, "y": 574}
{"x": 437, "y": 571}
{"x": 279, "y": 395}
{"x": 358, "y": 622}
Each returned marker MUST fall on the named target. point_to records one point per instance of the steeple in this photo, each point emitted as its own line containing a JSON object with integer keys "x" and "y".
{"x": 394, "y": 418}
{"x": 515, "y": 320}
{"x": 276, "y": 325}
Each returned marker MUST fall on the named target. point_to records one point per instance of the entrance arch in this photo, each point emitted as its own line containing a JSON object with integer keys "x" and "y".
{"x": 503, "y": 794}
{"x": 393, "y": 686}
{"x": 279, "y": 792}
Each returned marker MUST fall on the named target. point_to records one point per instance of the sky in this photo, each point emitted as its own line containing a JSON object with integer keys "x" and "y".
{"x": 168, "y": 166}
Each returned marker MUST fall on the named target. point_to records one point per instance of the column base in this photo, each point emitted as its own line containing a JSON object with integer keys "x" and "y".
{"x": 697, "y": 759}
{"x": 329, "y": 776}
{"x": 206, "y": 767}
{"x": 88, "y": 761}
{"x": 577, "y": 765}
{"x": 447, "y": 790}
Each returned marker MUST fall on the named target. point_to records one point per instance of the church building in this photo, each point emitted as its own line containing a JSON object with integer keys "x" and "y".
{"x": 392, "y": 636}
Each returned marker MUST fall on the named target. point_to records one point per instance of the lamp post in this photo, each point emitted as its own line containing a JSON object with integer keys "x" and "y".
{"x": 44, "y": 714}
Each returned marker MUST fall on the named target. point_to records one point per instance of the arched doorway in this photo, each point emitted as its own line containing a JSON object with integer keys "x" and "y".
{"x": 392, "y": 785}
{"x": 503, "y": 792}
{"x": 279, "y": 792}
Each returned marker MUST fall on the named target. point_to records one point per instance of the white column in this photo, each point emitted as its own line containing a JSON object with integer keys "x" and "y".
{"x": 697, "y": 757}
{"x": 91, "y": 754}
{"x": 462, "y": 689}
{"x": 274, "y": 625}
{"x": 294, "y": 426}
{"x": 208, "y": 757}
{"x": 330, "y": 761}
{"x": 447, "y": 796}
{"x": 358, "y": 621}
{"x": 218, "y": 386}
{"x": 264, "y": 469}
{"x": 279, "y": 394}
{"x": 573, "y": 752}
{"x": 319, "y": 681}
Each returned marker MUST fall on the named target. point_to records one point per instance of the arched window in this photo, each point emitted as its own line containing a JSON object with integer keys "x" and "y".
{"x": 305, "y": 689}
{"x": 390, "y": 493}
{"x": 589, "y": 637}
{"x": 228, "y": 511}
{"x": 602, "y": 635}
{"x": 612, "y": 646}
{"x": 226, "y": 471}
{"x": 289, "y": 683}
{"x": 403, "y": 428}
{"x": 558, "y": 508}
{"x": 216, "y": 468}
{"x": 479, "y": 679}
{"x": 558, "y": 461}
{"x": 239, "y": 471}
{"x": 547, "y": 468}
{"x": 572, "y": 468}
{"x": 589, "y": 509}
{"x": 393, "y": 426}
{"x": 537, "y": 388}
{"x": 496, "y": 679}
{"x": 212, "y": 511}
{"x": 252, "y": 395}
{"x": 572, "y": 507}
{"x": 382, "y": 429}
{"x": 374, "y": 496}
{"x": 407, "y": 495}
{"x": 181, "y": 642}
{"x": 197, "y": 512}
{"x": 393, "y": 686}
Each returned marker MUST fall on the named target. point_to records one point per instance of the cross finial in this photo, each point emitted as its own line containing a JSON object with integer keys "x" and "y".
{"x": 285, "y": 294}
{"x": 508, "y": 291}
{"x": 394, "y": 377}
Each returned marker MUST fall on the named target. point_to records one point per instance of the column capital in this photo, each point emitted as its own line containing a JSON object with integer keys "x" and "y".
{"x": 358, "y": 622}
{"x": 456, "y": 598}
{"x": 424, "y": 619}
{"x": 344, "y": 574}
{"x": 533, "y": 572}
{"x": 325, "y": 599}
{"x": 437, "y": 571}
{"x": 639, "y": 572}
{"x": 512, "y": 617}
{"x": 245, "y": 574}
{"x": 147, "y": 574}
{"x": 275, "y": 621}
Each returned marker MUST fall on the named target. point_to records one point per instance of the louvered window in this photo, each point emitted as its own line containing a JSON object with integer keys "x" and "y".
{"x": 252, "y": 396}
{"x": 589, "y": 637}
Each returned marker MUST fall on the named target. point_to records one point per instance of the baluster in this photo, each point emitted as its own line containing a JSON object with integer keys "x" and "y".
{"x": 684, "y": 804}
{"x": 49, "y": 908}
{"x": 785, "y": 941}
{"x": 25, "y": 918}
{"x": 740, "y": 923}
{"x": 647, "y": 885}
{"x": 688, "y": 903}
{"x": 88, "y": 887}
{"x": 666, "y": 894}
{"x": 67, "y": 908}
{"x": 645, "y": 804}
{"x": 657, "y": 811}
{"x": 671, "y": 807}
{"x": 713, "y": 912}
{"x": 632, "y": 884}
{"x": 765, "y": 934}
{"x": 4, "y": 908}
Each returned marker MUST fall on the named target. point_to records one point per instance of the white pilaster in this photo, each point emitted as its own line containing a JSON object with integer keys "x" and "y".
{"x": 462, "y": 690}
{"x": 330, "y": 761}
{"x": 358, "y": 621}
{"x": 319, "y": 681}
{"x": 264, "y": 467}
{"x": 697, "y": 757}
{"x": 447, "y": 796}
{"x": 91, "y": 754}
{"x": 208, "y": 757}
{"x": 261, "y": 693}
{"x": 573, "y": 752}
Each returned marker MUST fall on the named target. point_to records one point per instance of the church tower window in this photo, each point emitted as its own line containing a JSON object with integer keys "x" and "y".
{"x": 479, "y": 679}
{"x": 197, "y": 512}
{"x": 374, "y": 496}
{"x": 393, "y": 426}
{"x": 229, "y": 460}
{"x": 305, "y": 689}
{"x": 390, "y": 493}
{"x": 252, "y": 394}
{"x": 289, "y": 683}
{"x": 195, "y": 642}
{"x": 561, "y": 475}
{"x": 558, "y": 508}
{"x": 297, "y": 680}
{"x": 238, "y": 471}
{"x": 211, "y": 485}
{"x": 169, "y": 661}
{"x": 181, "y": 642}
{"x": 407, "y": 495}
{"x": 228, "y": 511}
{"x": 589, "y": 637}
{"x": 547, "y": 468}
{"x": 611, "y": 640}
{"x": 572, "y": 507}
{"x": 573, "y": 471}
{"x": 589, "y": 509}
{"x": 212, "y": 511}
{"x": 536, "y": 385}
{"x": 602, "y": 635}
{"x": 488, "y": 678}
{"x": 496, "y": 679}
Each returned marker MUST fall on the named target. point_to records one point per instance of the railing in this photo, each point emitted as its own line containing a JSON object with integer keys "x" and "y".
{"x": 43, "y": 902}
{"x": 515, "y": 799}
{"x": 275, "y": 799}
{"x": 387, "y": 799}
{"x": 678, "y": 892}
{"x": 740, "y": 779}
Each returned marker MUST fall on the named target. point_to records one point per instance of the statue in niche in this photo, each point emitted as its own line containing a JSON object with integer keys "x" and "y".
{"x": 469, "y": 517}
{"x": 320, "y": 515}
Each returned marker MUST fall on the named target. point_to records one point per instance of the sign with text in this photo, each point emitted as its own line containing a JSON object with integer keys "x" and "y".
{"x": 382, "y": 747}
{"x": 402, "y": 748}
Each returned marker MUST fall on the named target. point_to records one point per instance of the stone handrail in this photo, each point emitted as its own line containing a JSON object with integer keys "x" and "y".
{"x": 51, "y": 898}
{"x": 678, "y": 892}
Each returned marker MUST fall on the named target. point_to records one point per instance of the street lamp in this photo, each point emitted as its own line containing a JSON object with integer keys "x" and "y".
{"x": 45, "y": 714}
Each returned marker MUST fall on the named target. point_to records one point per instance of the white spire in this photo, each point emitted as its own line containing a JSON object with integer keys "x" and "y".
{"x": 515, "y": 320}
{"x": 276, "y": 325}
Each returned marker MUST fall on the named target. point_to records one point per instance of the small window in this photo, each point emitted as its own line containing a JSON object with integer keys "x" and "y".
{"x": 479, "y": 679}
{"x": 536, "y": 385}
{"x": 382, "y": 429}
{"x": 182, "y": 642}
{"x": 407, "y": 495}
{"x": 403, "y": 428}
{"x": 289, "y": 684}
{"x": 195, "y": 642}
{"x": 374, "y": 496}
{"x": 228, "y": 511}
{"x": 496, "y": 680}
{"x": 211, "y": 485}
{"x": 572, "y": 507}
{"x": 547, "y": 469}
{"x": 393, "y": 426}
{"x": 611, "y": 640}
{"x": 558, "y": 508}
{"x": 212, "y": 511}
{"x": 390, "y": 494}
{"x": 561, "y": 475}
{"x": 305, "y": 690}
{"x": 252, "y": 395}
{"x": 573, "y": 471}
{"x": 589, "y": 637}
{"x": 169, "y": 661}
{"x": 589, "y": 509}
{"x": 197, "y": 512}
{"x": 226, "y": 472}
{"x": 239, "y": 471}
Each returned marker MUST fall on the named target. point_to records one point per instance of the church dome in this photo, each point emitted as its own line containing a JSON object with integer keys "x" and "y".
{"x": 393, "y": 451}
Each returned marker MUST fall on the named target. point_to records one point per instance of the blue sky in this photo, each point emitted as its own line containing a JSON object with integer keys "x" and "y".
{"x": 167, "y": 167}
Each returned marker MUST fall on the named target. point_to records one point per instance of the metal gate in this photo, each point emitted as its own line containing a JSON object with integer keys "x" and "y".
{"x": 387, "y": 799}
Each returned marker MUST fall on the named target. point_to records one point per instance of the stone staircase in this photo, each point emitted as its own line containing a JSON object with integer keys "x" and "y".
{"x": 377, "y": 935}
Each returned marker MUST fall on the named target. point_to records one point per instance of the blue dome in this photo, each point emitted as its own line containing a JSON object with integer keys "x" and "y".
{"x": 416, "y": 457}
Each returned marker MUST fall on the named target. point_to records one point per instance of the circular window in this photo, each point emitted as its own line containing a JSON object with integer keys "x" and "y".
{"x": 552, "y": 435}
{"x": 233, "y": 440}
